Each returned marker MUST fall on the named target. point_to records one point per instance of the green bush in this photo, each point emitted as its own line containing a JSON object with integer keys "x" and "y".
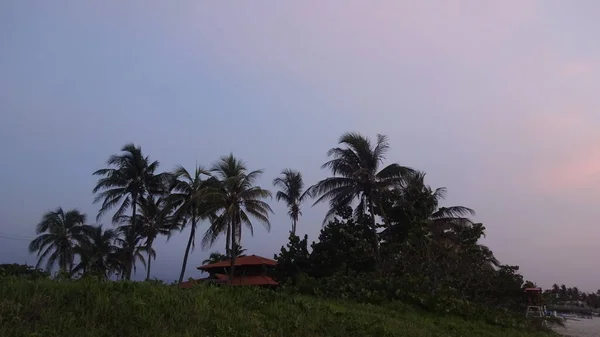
{"x": 22, "y": 271}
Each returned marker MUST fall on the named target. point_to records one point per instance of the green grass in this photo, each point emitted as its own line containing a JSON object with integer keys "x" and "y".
{"x": 123, "y": 309}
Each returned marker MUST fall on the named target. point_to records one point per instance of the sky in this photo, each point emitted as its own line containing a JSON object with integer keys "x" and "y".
{"x": 496, "y": 100}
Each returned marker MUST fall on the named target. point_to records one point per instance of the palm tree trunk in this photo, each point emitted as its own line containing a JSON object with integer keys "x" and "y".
{"x": 187, "y": 250}
{"x": 133, "y": 225}
{"x": 129, "y": 264}
{"x": 374, "y": 229}
{"x": 149, "y": 248}
{"x": 232, "y": 255}
{"x": 227, "y": 240}
{"x": 294, "y": 221}
{"x": 62, "y": 264}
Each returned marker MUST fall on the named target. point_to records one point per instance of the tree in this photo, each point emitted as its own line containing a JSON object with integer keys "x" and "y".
{"x": 215, "y": 257}
{"x": 563, "y": 293}
{"x": 292, "y": 193}
{"x": 187, "y": 199}
{"x": 130, "y": 249}
{"x": 129, "y": 177}
{"x": 343, "y": 247}
{"x": 23, "y": 271}
{"x": 236, "y": 199}
{"x": 239, "y": 251}
{"x": 98, "y": 252}
{"x": 356, "y": 176}
{"x": 218, "y": 257}
{"x": 153, "y": 219}
{"x": 293, "y": 259}
{"x": 58, "y": 233}
{"x": 417, "y": 203}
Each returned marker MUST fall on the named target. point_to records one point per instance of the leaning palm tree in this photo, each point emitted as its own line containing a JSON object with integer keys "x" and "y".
{"x": 98, "y": 252}
{"x": 292, "y": 193}
{"x": 153, "y": 219}
{"x": 236, "y": 199}
{"x": 129, "y": 177}
{"x": 58, "y": 233}
{"x": 357, "y": 176}
{"x": 190, "y": 208}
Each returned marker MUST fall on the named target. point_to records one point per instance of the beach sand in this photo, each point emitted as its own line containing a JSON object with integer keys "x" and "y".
{"x": 580, "y": 328}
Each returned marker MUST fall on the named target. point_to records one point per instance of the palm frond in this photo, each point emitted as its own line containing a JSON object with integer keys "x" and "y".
{"x": 452, "y": 212}
{"x": 381, "y": 148}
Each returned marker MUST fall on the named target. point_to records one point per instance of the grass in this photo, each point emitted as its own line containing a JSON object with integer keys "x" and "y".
{"x": 124, "y": 309}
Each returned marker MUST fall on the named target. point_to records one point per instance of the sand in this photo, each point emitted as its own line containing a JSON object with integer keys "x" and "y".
{"x": 581, "y": 328}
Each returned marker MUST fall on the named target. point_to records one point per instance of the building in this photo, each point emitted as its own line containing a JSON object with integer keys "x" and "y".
{"x": 249, "y": 270}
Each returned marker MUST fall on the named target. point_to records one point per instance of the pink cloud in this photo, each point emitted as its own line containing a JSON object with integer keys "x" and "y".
{"x": 571, "y": 175}
{"x": 577, "y": 68}
{"x": 573, "y": 148}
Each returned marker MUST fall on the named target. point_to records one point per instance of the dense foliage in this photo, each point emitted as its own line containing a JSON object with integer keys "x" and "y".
{"x": 385, "y": 237}
{"x": 146, "y": 309}
{"x": 572, "y": 296}
{"x": 398, "y": 243}
{"x": 22, "y": 271}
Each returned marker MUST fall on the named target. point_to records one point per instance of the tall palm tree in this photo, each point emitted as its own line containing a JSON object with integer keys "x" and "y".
{"x": 189, "y": 206}
{"x": 292, "y": 193}
{"x": 236, "y": 200}
{"x": 129, "y": 177}
{"x": 98, "y": 252}
{"x": 357, "y": 176}
{"x": 153, "y": 219}
{"x": 58, "y": 234}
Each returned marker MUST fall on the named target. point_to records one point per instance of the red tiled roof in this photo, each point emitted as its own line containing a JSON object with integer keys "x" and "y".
{"x": 250, "y": 260}
{"x": 254, "y": 280}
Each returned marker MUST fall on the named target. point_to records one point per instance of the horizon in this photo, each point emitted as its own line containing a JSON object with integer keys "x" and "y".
{"x": 493, "y": 101}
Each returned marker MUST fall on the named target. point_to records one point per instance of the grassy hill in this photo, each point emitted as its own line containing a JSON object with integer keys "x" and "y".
{"x": 123, "y": 309}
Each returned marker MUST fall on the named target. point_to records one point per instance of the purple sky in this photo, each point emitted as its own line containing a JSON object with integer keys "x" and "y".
{"x": 495, "y": 100}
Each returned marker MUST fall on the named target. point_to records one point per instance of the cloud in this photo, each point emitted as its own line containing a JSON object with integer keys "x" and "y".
{"x": 572, "y": 160}
{"x": 577, "y": 68}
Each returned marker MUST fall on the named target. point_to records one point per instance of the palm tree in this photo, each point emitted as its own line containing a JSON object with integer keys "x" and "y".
{"x": 130, "y": 176}
{"x": 236, "y": 199}
{"x": 440, "y": 219}
{"x": 98, "y": 252}
{"x": 215, "y": 257}
{"x": 239, "y": 251}
{"x": 292, "y": 193}
{"x": 186, "y": 199}
{"x": 130, "y": 249}
{"x": 218, "y": 257}
{"x": 58, "y": 233}
{"x": 443, "y": 223}
{"x": 153, "y": 219}
{"x": 357, "y": 176}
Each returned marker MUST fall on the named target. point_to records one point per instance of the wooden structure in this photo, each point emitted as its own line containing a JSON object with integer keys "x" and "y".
{"x": 534, "y": 303}
{"x": 249, "y": 270}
